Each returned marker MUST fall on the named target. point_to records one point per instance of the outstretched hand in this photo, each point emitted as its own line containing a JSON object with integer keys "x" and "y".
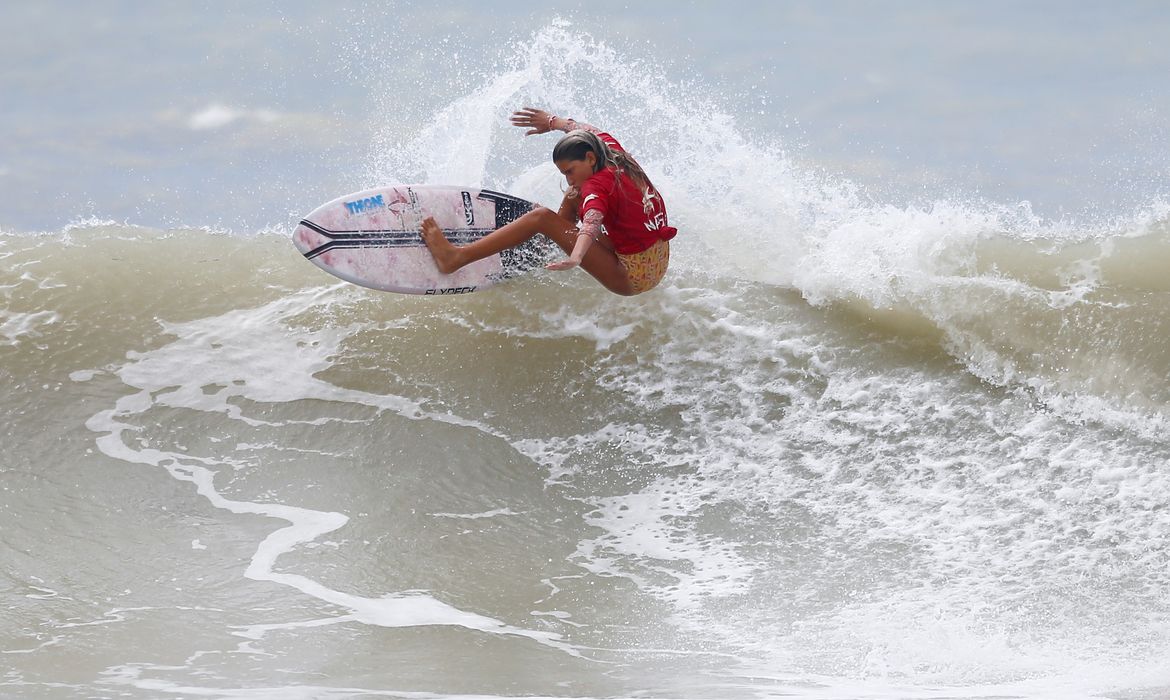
{"x": 533, "y": 119}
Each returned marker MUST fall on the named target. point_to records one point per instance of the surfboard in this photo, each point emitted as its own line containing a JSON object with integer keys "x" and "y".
{"x": 371, "y": 238}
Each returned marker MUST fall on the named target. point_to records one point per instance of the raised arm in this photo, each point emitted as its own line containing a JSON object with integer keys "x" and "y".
{"x": 538, "y": 121}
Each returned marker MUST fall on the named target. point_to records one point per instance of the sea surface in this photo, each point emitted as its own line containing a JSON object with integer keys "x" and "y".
{"x": 894, "y": 426}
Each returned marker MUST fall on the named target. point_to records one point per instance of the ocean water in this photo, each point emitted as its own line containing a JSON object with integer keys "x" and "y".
{"x": 878, "y": 434}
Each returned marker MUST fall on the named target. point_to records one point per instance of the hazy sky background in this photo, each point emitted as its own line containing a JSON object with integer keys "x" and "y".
{"x": 242, "y": 115}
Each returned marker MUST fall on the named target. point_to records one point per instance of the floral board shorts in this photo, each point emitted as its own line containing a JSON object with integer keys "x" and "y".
{"x": 646, "y": 269}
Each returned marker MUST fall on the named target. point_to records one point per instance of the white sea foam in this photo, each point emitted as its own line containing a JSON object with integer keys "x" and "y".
{"x": 477, "y": 516}
{"x": 649, "y": 537}
{"x": 15, "y": 325}
{"x": 953, "y": 522}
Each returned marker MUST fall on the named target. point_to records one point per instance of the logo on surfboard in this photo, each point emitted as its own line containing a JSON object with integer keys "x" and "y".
{"x": 468, "y": 211}
{"x": 450, "y": 290}
{"x": 360, "y": 206}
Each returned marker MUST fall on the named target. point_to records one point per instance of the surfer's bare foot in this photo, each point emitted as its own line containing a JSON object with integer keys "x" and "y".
{"x": 446, "y": 255}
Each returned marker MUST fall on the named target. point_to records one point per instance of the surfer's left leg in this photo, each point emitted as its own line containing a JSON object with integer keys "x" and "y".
{"x": 450, "y": 257}
{"x": 600, "y": 261}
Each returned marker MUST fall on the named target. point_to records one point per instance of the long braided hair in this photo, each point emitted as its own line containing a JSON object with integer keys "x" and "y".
{"x": 575, "y": 144}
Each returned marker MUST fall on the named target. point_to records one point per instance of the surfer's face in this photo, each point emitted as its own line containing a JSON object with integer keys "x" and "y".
{"x": 576, "y": 172}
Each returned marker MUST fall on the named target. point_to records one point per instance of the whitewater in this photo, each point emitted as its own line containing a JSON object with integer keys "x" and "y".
{"x": 850, "y": 448}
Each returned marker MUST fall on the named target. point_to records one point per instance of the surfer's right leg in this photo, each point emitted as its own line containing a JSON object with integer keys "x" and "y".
{"x": 600, "y": 261}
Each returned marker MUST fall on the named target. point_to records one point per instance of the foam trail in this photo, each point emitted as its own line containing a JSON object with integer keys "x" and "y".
{"x": 256, "y": 340}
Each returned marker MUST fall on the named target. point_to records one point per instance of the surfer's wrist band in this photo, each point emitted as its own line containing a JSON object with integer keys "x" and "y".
{"x": 551, "y": 118}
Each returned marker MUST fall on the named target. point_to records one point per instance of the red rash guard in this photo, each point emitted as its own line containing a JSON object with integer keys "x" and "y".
{"x": 631, "y": 226}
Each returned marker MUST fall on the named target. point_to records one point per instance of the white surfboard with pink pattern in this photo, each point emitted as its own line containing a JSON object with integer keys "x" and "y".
{"x": 371, "y": 238}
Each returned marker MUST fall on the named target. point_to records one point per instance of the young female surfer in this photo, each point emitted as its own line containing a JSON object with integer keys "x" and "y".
{"x": 611, "y": 222}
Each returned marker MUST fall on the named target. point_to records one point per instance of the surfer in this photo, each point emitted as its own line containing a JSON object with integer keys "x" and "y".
{"x": 611, "y": 222}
